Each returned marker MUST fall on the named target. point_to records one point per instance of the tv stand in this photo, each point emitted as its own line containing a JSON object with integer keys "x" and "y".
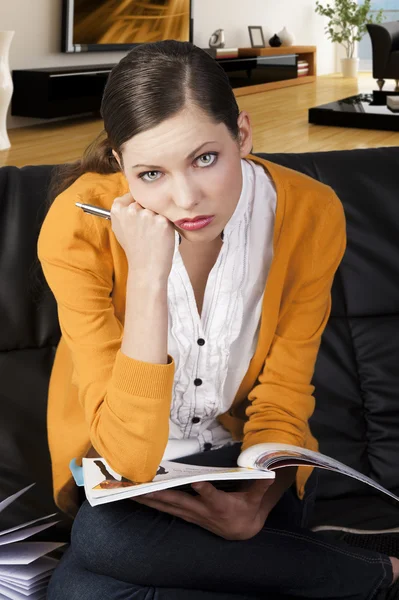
{"x": 67, "y": 91}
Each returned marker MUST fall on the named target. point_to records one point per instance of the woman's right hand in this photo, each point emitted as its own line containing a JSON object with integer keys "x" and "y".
{"x": 147, "y": 238}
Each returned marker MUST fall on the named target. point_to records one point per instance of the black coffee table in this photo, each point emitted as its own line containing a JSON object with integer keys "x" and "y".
{"x": 364, "y": 111}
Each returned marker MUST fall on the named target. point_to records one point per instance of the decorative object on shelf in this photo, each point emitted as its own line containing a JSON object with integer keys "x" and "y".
{"x": 267, "y": 34}
{"x": 6, "y": 86}
{"x": 347, "y": 25}
{"x": 256, "y": 36}
{"x": 275, "y": 41}
{"x": 303, "y": 68}
{"x": 222, "y": 52}
{"x": 217, "y": 39}
{"x": 287, "y": 38}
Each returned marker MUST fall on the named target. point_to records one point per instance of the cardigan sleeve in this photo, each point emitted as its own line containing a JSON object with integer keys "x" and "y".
{"x": 126, "y": 402}
{"x": 282, "y": 402}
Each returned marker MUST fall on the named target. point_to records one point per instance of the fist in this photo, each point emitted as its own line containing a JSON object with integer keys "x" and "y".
{"x": 147, "y": 238}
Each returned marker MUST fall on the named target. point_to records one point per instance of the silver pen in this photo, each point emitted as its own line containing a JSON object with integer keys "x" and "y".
{"x": 100, "y": 212}
{"x": 95, "y": 210}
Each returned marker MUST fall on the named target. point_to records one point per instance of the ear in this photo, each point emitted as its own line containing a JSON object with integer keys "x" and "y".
{"x": 245, "y": 129}
{"x": 117, "y": 159}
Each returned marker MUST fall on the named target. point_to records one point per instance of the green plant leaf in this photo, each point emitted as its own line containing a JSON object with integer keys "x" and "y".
{"x": 347, "y": 21}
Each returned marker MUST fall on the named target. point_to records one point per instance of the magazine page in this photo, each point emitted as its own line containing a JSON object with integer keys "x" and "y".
{"x": 274, "y": 456}
{"x": 103, "y": 484}
{"x": 11, "y": 499}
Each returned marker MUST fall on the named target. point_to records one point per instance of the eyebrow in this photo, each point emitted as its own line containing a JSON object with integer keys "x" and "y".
{"x": 191, "y": 155}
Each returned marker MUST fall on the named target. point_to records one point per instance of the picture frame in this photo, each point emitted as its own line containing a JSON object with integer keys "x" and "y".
{"x": 256, "y": 36}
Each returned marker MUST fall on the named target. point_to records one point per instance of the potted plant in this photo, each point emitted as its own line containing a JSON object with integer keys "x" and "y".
{"x": 347, "y": 25}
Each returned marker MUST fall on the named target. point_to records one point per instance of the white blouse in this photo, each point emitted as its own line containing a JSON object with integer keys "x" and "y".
{"x": 212, "y": 352}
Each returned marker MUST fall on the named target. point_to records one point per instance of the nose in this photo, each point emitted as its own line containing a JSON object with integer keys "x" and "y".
{"x": 185, "y": 194}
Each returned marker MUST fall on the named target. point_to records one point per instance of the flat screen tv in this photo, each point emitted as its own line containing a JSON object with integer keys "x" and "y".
{"x": 98, "y": 25}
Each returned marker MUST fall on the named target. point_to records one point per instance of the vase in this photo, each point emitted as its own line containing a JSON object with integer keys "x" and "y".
{"x": 217, "y": 39}
{"x": 275, "y": 41}
{"x": 349, "y": 67}
{"x": 286, "y": 37}
{"x": 6, "y": 86}
{"x": 267, "y": 34}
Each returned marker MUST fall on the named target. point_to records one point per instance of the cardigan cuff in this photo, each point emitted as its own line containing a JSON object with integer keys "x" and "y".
{"x": 138, "y": 378}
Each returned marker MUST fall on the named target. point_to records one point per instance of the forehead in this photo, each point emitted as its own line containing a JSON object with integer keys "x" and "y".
{"x": 177, "y": 135}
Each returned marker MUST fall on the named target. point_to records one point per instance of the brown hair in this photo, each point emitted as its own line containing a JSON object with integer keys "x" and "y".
{"x": 152, "y": 83}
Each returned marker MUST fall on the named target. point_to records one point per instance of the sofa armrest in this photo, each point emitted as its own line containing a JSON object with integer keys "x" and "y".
{"x": 384, "y": 40}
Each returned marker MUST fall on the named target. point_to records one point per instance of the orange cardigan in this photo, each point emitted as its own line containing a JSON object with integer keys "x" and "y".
{"x": 101, "y": 397}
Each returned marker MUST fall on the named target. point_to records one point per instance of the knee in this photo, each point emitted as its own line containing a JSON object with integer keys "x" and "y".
{"x": 102, "y": 532}
{"x": 66, "y": 581}
{"x": 70, "y": 581}
{"x": 89, "y": 534}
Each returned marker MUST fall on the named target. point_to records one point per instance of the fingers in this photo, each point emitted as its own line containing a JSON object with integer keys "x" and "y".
{"x": 258, "y": 488}
{"x": 207, "y": 491}
{"x": 176, "y": 511}
{"x": 124, "y": 200}
{"x": 208, "y": 497}
{"x": 212, "y": 498}
{"x": 175, "y": 498}
{"x": 179, "y": 504}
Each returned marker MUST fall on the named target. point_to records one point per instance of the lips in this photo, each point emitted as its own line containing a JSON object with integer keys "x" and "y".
{"x": 195, "y": 224}
{"x": 200, "y": 218}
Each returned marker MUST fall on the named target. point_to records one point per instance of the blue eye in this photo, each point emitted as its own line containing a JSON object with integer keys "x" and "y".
{"x": 213, "y": 154}
{"x": 207, "y": 164}
{"x": 147, "y": 173}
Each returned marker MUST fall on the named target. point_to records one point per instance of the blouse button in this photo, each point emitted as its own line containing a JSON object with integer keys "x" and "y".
{"x": 195, "y": 420}
{"x": 197, "y": 381}
{"x": 200, "y": 342}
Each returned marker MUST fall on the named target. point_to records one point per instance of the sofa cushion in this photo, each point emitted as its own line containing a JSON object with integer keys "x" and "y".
{"x": 29, "y": 333}
{"x": 357, "y": 371}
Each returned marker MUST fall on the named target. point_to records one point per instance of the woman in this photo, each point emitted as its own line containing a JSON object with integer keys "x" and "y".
{"x": 190, "y": 342}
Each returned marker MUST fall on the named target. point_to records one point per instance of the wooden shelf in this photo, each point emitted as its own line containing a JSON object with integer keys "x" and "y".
{"x": 276, "y": 51}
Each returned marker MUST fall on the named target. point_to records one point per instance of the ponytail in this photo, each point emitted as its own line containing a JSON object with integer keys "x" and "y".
{"x": 97, "y": 158}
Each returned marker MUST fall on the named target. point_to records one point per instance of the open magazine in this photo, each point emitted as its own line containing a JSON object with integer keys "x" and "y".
{"x": 103, "y": 485}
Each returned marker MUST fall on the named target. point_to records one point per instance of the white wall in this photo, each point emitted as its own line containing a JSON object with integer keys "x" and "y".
{"x": 37, "y": 25}
{"x": 234, "y": 16}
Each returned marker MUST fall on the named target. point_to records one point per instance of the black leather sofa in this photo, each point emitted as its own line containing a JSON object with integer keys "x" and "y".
{"x": 385, "y": 48}
{"x": 357, "y": 371}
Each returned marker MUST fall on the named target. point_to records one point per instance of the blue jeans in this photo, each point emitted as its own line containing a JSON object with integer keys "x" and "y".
{"x": 129, "y": 551}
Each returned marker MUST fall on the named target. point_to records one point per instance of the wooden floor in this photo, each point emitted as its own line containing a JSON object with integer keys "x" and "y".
{"x": 279, "y": 120}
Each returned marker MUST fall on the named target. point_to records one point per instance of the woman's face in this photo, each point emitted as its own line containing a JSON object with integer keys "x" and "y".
{"x": 188, "y": 167}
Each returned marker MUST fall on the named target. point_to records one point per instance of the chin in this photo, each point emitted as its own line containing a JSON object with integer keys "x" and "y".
{"x": 200, "y": 236}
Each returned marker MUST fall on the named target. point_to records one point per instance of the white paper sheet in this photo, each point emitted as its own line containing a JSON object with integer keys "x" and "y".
{"x": 17, "y": 536}
{"x": 11, "y": 499}
{"x": 13, "y": 595}
{"x": 43, "y": 597}
{"x": 43, "y": 579}
{"x": 24, "y": 591}
{"x": 29, "y": 572}
{"x": 24, "y": 553}
{"x": 5, "y": 531}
